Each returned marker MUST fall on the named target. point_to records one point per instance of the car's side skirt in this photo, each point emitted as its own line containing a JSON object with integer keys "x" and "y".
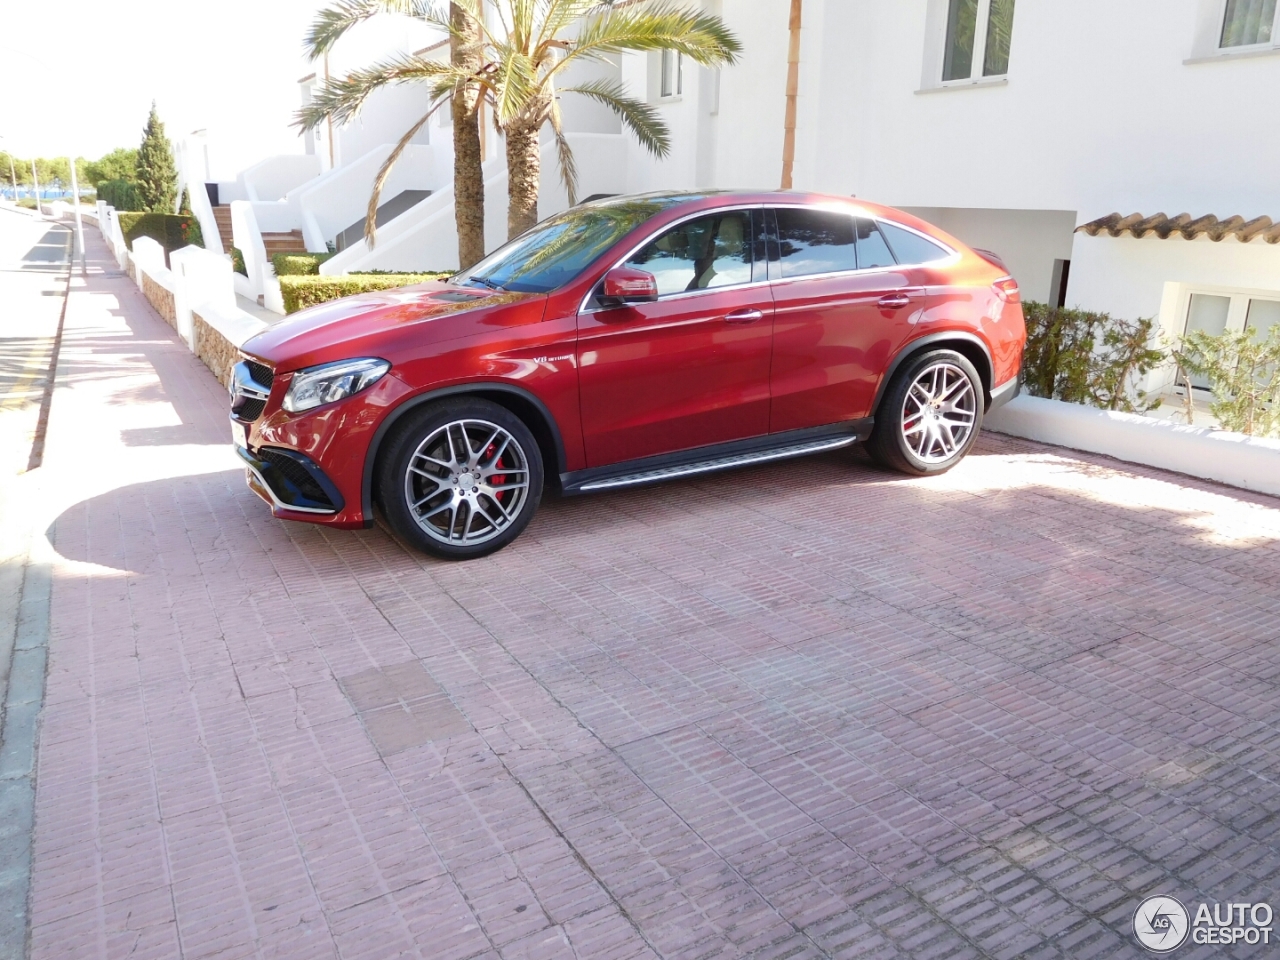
{"x": 721, "y": 456}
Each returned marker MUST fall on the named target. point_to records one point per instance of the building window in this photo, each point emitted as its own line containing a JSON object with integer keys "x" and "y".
{"x": 979, "y": 34}
{"x": 672, "y": 74}
{"x": 1218, "y": 313}
{"x": 1248, "y": 23}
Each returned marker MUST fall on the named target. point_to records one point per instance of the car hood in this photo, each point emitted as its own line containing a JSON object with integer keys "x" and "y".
{"x": 381, "y": 322}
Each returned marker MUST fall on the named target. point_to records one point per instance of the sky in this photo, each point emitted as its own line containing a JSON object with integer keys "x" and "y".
{"x": 229, "y": 67}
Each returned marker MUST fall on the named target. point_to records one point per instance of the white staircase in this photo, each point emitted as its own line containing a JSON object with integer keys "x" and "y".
{"x": 425, "y": 237}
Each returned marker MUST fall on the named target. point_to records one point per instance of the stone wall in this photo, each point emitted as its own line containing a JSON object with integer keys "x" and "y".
{"x": 218, "y": 353}
{"x": 161, "y": 299}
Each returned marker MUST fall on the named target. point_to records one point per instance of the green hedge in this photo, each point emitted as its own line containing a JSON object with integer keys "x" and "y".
{"x": 237, "y": 262}
{"x": 299, "y": 264}
{"x": 121, "y": 194}
{"x": 173, "y": 231}
{"x": 300, "y": 292}
{"x": 1082, "y": 356}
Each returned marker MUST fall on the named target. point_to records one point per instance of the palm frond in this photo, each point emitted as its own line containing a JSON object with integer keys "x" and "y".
{"x": 340, "y": 98}
{"x": 639, "y": 117}
{"x": 660, "y": 25}
{"x": 560, "y": 15}
{"x": 564, "y": 154}
{"x": 371, "y": 215}
{"x": 332, "y": 23}
{"x": 514, "y": 85}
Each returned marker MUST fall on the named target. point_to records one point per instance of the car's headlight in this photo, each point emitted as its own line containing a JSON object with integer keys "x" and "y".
{"x": 332, "y": 381}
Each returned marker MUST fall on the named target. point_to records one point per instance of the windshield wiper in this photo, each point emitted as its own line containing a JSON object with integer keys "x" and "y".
{"x": 487, "y": 282}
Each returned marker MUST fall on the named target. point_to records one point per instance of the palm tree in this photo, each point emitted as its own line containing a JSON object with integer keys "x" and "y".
{"x": 523, "y": 56}
{"x": 464, "y": 56}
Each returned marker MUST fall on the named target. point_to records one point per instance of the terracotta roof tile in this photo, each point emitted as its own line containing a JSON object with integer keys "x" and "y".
{"x": 1184, "y": 225}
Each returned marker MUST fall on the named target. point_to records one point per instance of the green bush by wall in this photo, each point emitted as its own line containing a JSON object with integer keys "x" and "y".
{"x": 121, "y": 194}
{"x": 1086, "y": 357}
{"x": 173, "y": 231}
{"x": 299, "y": 264}
{"x": 300, "y": 292}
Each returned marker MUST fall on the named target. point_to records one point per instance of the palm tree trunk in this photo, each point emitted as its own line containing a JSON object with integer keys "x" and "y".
{"x": 793, "y": 88}
{"x": 524, "y": 171}
{"x": 468, "y": 171}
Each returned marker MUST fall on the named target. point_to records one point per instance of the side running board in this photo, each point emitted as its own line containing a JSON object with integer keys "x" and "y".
{"x": 719, "y": 463}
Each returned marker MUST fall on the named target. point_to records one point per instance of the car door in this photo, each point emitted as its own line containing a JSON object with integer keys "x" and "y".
{"x": 842, "y": 307}
{"x": 691, "y": 368}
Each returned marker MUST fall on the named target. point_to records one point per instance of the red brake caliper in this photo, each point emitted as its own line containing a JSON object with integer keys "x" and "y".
{"x": 500, "y": 479}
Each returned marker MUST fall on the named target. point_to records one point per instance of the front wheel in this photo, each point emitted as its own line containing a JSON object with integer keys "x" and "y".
{"x": 930, "y": 415}
{"x": 461, "y": 480}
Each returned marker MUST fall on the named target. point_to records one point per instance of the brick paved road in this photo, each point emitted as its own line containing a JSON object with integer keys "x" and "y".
{"x": 809, "y": 710}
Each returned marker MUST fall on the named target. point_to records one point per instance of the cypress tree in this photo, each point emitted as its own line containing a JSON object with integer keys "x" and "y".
{"x": 157, "y": 175}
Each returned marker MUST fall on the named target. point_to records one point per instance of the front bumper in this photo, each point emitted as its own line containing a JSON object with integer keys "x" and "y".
{"x": 291, "y": 482}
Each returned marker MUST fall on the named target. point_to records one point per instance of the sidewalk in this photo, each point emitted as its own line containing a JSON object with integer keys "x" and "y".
{"x": 807, "y": 710}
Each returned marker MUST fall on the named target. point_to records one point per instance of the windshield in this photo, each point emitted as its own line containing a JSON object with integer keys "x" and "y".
{"x": 557, "y": 250}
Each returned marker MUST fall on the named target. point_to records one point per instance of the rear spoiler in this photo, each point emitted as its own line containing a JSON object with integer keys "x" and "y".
{"x": 991, "y": 258}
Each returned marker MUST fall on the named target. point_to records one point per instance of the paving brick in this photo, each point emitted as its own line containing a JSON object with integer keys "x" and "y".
{"x": 980, "y": 714}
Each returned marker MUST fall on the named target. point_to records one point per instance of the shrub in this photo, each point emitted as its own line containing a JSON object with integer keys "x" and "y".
{"x": 299, "y": 264}
{"x": 171, "y": 230}
{"x": 121, "y": 194}
{"x": 157, "y": 176}
{"x": 1243, "y": 371}
{"x": 237, "y": 262}
{"x": 1085, "y": 357}
{"x": 300, "y": 292}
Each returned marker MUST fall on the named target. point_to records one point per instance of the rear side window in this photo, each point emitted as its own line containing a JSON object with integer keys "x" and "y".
{"x": 911, "y": 248}
{"x": 815, "y": 241}
{"x": 872, "y": 249}
{"x": 712, "y": 251}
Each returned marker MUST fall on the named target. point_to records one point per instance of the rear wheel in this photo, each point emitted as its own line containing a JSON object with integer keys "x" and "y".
{"x": 930, "y": 415}
{"x": 461, "y": 480}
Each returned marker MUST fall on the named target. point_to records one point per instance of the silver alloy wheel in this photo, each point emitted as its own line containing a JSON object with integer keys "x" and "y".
{"x": 467, "y": 482}
{"x": 938, "y": 412}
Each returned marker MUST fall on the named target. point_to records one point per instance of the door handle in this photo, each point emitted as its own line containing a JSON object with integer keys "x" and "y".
{"x": 892, "y": 301}
{"x": 744, "y": 316}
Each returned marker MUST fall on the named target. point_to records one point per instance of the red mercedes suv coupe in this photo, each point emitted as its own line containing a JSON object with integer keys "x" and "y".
{"x": 628, "y": 341}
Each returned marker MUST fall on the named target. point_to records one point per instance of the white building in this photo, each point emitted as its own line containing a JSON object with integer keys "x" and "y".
{"x": 1008, "y": 126}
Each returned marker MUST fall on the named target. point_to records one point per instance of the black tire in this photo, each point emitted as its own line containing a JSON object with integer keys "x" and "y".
{"x": 907, "y": 440}
{"x": 418, "y": 478}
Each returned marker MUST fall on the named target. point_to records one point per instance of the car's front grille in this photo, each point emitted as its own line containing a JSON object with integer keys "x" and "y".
{"x": 298, "y": 475}
{"x": 261, "y": 373}
{"x": 250, "y": 388}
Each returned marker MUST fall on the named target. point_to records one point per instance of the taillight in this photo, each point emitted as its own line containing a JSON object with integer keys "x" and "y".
{"x": 1007, "y": 290}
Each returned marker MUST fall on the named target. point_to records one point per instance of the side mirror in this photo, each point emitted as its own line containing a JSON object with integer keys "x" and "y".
{"x": 628, "y": 285}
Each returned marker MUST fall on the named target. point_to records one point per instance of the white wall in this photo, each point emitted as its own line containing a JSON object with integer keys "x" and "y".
{"x": 1027, "y": 240}
{"x": 272, "y": 178}
{"x": 1100, "y": 112}
{"x": 387, "y": 116}
{"x": 1126, "y": 275}
{"x": 1130, "y": 277}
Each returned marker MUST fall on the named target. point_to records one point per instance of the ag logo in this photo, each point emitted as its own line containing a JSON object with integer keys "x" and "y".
{"x": 1161, "y": 924}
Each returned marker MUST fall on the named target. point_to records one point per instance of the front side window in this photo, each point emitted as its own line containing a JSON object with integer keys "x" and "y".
{"x": 559, "y": 248}
{"x": 1248, "y": 22}
{"x": 701, "y": 254}
{"x": 978, "y": 39}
